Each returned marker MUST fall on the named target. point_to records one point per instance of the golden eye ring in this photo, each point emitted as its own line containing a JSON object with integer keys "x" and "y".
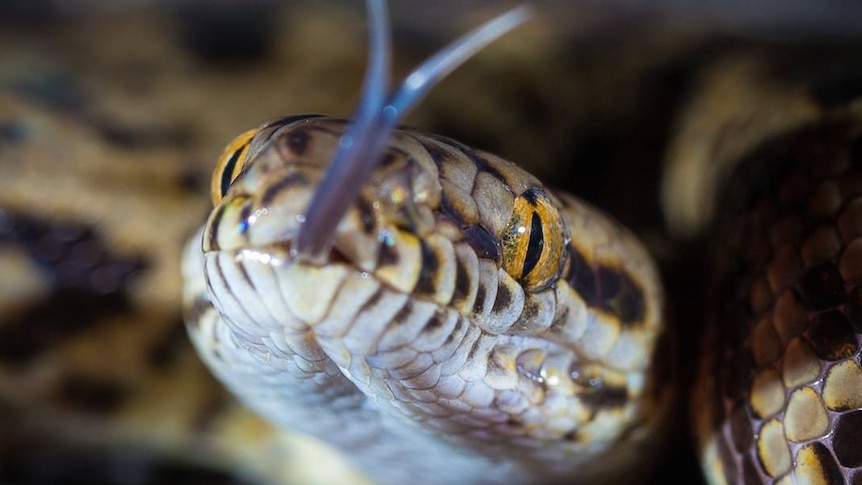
{"x": 533, "y": 242}
{"x": 230, "y": 164}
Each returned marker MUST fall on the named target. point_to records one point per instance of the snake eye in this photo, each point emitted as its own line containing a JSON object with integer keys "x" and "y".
{"x": 230, "y": 165}
{"x": 533, "y": 241}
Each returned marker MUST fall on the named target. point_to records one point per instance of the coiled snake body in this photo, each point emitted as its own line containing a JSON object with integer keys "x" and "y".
{"x": 780, "y": 391}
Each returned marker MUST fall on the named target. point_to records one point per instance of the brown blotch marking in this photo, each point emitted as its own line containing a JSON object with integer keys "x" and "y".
{"x": 572, "y": 436}
{"x": 503, "y": 299}
{"x": 473, "y": 349}
{"x": 531, "y": 309}
{"x": 388, "y": 159}
{"x": 289, "y": 180}
{"x": 213, "y": 228}
{"x": 594, "y": 391}
{"x": 373, "y": 300}
{"x": 191, "y": 180}
{"x": 436, "y": 321}
{"x": 822, "y": 287}
{"x": 449, "y": 339}
{"x": 620, "y": 295}
{"x": 515, "y": 421}
{"x": 366, "y": 215}
{"x": 143, "y": 137}
{"x": 403, "y": 314}
{"x": 846, "y": 438}
{"x": 815, "y": 464}
{"x": 479, "y": 303}
{"x": 167, "y": 348}
{"x": 483, "y": 243}
{"x": 428, "y": 273}
{"x": 580, "y": 276}
{"x": 14, "y": 131}
{"x": 630, "y": 302}
{"x": 484, "y": 166}
{"x": 437, "y": 155}
{"x": 462, "y": 282}
{"x": 832, "y": 336}
{"x": 601, "y": 396}
{"x": 91, "y": 395}
{"x": 448, "y": 209}
{"x": 90, "y": 283}
{"x": 609, "y": 289}
{"x": 244, "y": 273}
{"x": 388, "y": 256}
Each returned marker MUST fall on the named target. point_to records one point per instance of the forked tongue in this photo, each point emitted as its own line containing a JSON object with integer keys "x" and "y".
{"x": 361, "y": 147}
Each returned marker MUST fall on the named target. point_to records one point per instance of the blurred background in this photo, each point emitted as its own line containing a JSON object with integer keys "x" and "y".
{"x": 112, "y": 114}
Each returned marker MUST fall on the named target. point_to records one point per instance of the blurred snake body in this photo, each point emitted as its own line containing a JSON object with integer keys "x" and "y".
{"x": 460, "y": 323}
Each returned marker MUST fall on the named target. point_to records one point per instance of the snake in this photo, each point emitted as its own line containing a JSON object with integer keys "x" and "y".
{"x": 451, "y": 320}
{"x": 443, "y": 317}
{"x": 775, "y": 399}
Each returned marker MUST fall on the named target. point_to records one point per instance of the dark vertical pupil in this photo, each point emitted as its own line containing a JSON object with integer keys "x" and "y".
{"x": 534, "y": 247}
{"x": 228, "y": 170}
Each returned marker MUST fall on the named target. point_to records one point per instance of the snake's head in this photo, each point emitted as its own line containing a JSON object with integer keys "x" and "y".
{"x": 266, "y": 178}
{"x": 424, "y": 281}
{"x": 453, "y": 276}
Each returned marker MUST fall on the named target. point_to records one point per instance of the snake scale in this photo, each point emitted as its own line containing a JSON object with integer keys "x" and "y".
{"x": 472, "y": 325}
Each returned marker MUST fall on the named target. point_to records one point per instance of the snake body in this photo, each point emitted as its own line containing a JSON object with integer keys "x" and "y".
{"x": 469, "y": 326}
{"x": 781, "y": 387}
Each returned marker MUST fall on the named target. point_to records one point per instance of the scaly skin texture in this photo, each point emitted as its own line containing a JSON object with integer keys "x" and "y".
{"x": 780, "y": 392}
{"x": 469, "y": 325}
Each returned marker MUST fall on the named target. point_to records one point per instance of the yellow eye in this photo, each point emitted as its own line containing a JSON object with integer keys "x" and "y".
{"x": 533, "y": 241}
{"x": 230, "y": 165}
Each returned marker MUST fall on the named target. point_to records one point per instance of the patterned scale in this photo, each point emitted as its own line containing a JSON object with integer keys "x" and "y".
{"x": 784, "y": 383}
